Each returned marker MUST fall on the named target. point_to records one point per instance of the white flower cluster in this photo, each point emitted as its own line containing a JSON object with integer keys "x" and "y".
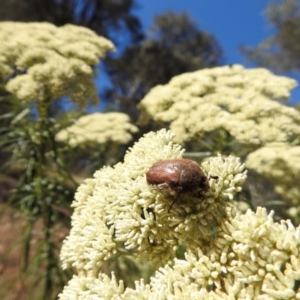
{"x": 252, "y": 258}
{"x": 99, "y": 128}
{"x": 118, "y": 212}
{"x": 240, "y": 101}
{"x": 42, "y": 62}
{"x": 281, "y": 164}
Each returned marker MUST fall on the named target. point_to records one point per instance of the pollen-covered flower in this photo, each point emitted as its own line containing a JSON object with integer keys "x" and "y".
{"x": 42, "y": 62}
{"x": 99, "y": 128}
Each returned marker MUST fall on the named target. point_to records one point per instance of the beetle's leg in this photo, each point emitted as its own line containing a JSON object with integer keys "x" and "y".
{"x": 176, "y": 198}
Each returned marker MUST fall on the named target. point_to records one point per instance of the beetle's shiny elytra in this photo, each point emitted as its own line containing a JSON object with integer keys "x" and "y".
{"x": 177, "y": 176}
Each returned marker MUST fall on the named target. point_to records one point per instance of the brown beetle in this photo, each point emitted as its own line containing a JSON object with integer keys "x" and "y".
{"x": 178, "y": 176}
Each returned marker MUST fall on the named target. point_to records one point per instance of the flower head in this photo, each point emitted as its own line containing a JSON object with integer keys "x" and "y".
{"x": 42, "y": 62}
{"x": 240, "y": 101}
{"x": 99, "y": 128}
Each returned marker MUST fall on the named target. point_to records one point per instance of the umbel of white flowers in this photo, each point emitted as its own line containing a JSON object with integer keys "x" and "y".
{"x": 42, "y": 62}
{"x": 241, "y": 101}
{"x": 229, "y": 255}
{"x": 98, "y": 128}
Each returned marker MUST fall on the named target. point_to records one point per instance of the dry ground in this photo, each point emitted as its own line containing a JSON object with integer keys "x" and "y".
{"x": 14, "y": 285}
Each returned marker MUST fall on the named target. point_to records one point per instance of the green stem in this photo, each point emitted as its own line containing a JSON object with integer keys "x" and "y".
{"x": 44, "y": 129}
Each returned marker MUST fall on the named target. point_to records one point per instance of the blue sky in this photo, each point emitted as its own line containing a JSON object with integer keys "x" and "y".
{"x": 232, "y": 22}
